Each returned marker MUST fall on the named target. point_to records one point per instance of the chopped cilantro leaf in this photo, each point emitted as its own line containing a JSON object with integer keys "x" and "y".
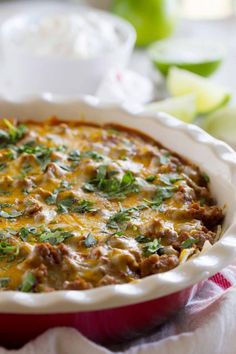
{"x": 111, "y": 187}
{"x": 188, "y": 243}
{"x": 71, "y": 204}
{"x": 162, "y": 193}
{"x": 150, "y": 178}
{"x": 8, "y": 250}
{"x": 51, "y": 199}
{"x": 142, "y": 239}
{"x": 77, "y": 156}
{"x": 28, "y": 283}
{"x": 4, "y": 136}
{"x": 65, "y": 167}
{"x": 151, "y": 247}
{"x": 54, "y": 237}
{"x": 202, "y": 201}
{"x": 41, "y": 152}
{"x": 65, "y": 185}
{"x": 65, "y": 205}
{"x": 90, "y": 241}
{"x": 4, "y": 281}
{"x": 206, "y": 177}
{"x": 25, "y": 169}
{"x": 164, "y": 158}
{"x": 24, "y": 232}
{"x": 14, "y": 214}
{"x": 14, "y": 133}
{"x": 93, "y": 155}
{"x": 84, "y": 206}
{"x": 3, "y": 166}
{"x": 74, "y": 156}
{"x": 120, "y": 218}
{"x": 170, "y": 178}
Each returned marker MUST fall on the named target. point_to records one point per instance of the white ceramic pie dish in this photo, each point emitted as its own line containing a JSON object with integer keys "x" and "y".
{"x": 212, "y": 156}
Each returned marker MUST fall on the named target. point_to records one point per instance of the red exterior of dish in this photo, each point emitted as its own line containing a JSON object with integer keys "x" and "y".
{"x": 102, "y": 326}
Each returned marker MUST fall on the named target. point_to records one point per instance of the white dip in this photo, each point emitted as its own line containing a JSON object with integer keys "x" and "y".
{"x": 84, "y": 35}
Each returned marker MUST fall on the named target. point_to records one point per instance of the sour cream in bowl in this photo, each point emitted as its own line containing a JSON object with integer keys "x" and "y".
{"x": 63, "y": 52}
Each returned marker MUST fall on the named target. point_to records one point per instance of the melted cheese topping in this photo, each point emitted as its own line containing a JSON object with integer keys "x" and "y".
{"x": 84, "y": 206}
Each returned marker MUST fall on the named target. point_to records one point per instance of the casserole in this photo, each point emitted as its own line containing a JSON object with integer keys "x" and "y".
{"x": 116, "y": 311}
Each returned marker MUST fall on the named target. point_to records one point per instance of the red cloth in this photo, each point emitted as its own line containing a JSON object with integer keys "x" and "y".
{"x": 220, "y": 280}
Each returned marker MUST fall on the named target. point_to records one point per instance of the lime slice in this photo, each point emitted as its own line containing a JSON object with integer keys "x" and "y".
{"x": 183, "y": 108}
{"x": 209, "y": 95}
{"x": 222, "y": 124}
{"x": 200, "y": 57}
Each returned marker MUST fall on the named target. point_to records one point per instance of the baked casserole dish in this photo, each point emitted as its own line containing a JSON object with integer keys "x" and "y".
{"x": 86, "y": 206}
{"x": 104, "y": 227}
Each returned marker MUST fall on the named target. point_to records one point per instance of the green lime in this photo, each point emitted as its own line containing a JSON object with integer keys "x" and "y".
{"x": 209, "y": 95}
{"x": 152, "y": 19}
{"x": 200, "y": 57}
{"x": 222, "y": 124}
{"x": 183, "y": 107}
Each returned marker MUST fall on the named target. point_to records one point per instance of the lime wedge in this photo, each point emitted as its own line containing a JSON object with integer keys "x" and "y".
{"x": 222, "y": 124}
{"x": 183, "y": 108}
{"x": 209, "y": 95}
{"x": 200, "y": 57}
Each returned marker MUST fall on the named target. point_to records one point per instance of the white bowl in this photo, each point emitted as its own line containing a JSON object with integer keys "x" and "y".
{"x": 29, "y": 73}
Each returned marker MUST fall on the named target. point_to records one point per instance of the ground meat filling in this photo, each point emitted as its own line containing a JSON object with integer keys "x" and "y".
{"x": 85, "y": 206}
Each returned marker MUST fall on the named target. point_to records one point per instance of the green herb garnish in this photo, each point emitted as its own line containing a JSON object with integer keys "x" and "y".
{"x": 14, "y": 214}
{"x": 84, "y": 206}
{"x": 111, "y": 187}
{"x": 51, "y": 199}
{"x": 202, "y": 201}
{"x": 150, "y": 178}
{"x": 142, "y": 239}
{"x": 64, "y": 185}
{"x": 8, "y": 250}
{"x": 41, "y": 152}
{"x": 24, "y": 232}
{"x": 90, "y": 241}
{"x": 4, "y": 192}
{"x": 120, "y": 218}
{"x": 14, "y": 134}
{"x": 151, "y": 247}
{"x": 170, "y": 178}
{"x": 26, "y": 168}
{"x": 6, "y": 205}
{"x": 76, "y": 156}
{"x": 4, "y": 282}
{"x": 164, "y": 158}
{"x": 188, "y": 243}
{"x": 205, "y": 177}
{"x": 54, "y": 237}
{"x": 65, "y": 205}
{"x": 71, "y": 204}
{"x": 3, "y": 166}
{"x": 94, "y": 155}
{"x": 162, "y": 193}
{"x": 28, "y": 283}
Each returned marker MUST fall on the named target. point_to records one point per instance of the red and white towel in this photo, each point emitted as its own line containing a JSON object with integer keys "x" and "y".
{"x": 206, "y": 326}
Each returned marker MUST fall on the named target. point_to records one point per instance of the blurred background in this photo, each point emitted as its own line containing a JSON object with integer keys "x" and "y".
{"x": 195, "y": 36}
